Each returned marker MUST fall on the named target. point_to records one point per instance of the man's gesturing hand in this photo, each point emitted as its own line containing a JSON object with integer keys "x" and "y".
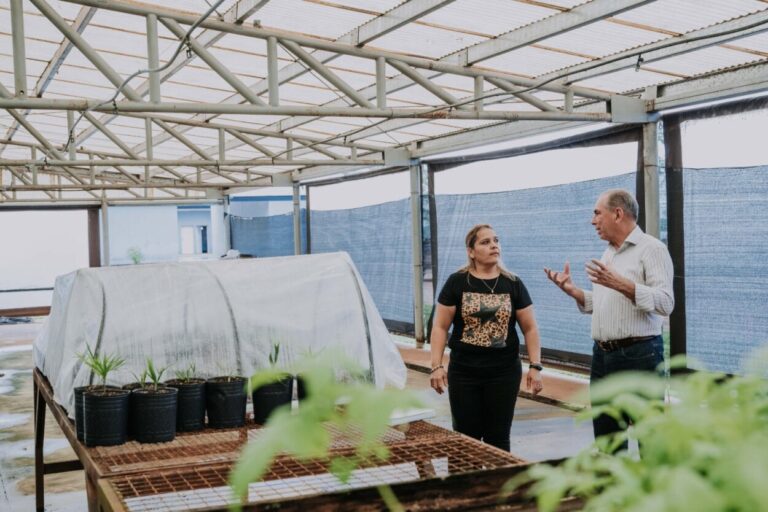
{"x": 561, "y": 279}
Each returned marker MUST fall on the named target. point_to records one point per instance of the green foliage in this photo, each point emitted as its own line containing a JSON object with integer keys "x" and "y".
{"x": 100, "y": 365}
{"x": 187, "y": 374}
{"x": 706, "y": 450}
{"x": 305, "y": 433}
{"x": 274, "y": 355}
{"x": 135, "y": 254}
{"x": 154, "y": 375}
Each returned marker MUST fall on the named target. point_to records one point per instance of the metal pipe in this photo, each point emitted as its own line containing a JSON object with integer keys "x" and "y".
{"x": 105, "y": 234}
{"x": 381, "y": 82}
{"x": 296, "y": 219}
{"x": 214, "y": 63}
{"x": 224, "y": 164}
{"x": 19, "y": 53}
{"x": 424, "y": 82}
{"x": 479, "y": 82}
{"x": 272, "y": 72}
{"x": 153, "y": 58}
{"x": 326, "y": 73}
{"x": 416, "y": 246}
{"x": 85, "y": 48}
{"x": 218, "y": 108}
{"x": 651, "y": 179}
{"x": 319, "y": 44}
{"x": 71, "y": 135}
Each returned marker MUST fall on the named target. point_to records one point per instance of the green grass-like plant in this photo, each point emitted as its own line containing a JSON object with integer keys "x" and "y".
{"x": 274, "y": 355}
{"x": 704, "y": 450}
{"x": 187, "y": 374}
{"x": 154, "y": 375}
{"x": 304, "y": 434}
{"x": 102, "y": 365}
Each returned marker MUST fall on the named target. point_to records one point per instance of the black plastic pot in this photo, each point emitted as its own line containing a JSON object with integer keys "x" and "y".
{"x": 105, "y": 416}
{"x": 225, "y": 399}
{"x": 130, "y": 387}
{"x": 301, "y": 388}
{"x": 154, "y": 414}
{"x": 79, "y": 422}
{"x": 269, "y": 397}
{"x": 190, "y": 413}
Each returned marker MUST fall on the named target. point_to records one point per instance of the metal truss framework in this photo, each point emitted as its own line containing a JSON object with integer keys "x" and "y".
{"x": 504, "y": 104}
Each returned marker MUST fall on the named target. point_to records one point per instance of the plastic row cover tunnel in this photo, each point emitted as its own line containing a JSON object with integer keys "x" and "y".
{"x": 223, "y": 316}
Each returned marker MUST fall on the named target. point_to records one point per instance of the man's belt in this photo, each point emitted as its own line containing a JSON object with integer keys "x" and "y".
{"x": 611, "y": 345}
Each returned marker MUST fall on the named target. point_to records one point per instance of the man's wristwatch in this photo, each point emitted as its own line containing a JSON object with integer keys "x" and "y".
{"x": 536, "y": 366}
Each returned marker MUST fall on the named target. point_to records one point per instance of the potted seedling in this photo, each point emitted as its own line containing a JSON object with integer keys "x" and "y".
{"x": 154, "y": 408}
{"x": 105, "y": 409}
{"x": 79, "y": 420}
{"x": 270, "y": 396}
{"x": 190, "y": 413}
{"x": 225, "y": 399}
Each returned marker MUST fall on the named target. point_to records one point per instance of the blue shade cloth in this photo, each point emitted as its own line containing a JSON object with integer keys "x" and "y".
{"x": 266, "y": 236}
{"x": 378, "y": 238}
{"x": 537, "y": 227}
{"x": 726, "y": 245}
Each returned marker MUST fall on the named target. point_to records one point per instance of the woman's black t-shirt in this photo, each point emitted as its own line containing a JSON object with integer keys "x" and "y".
{"x": 484, "y": 324}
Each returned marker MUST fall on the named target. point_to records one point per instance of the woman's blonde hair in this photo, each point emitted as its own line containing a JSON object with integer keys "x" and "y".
{"x": 469, "y": 243}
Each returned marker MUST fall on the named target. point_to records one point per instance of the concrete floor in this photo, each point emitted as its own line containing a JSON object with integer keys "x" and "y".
{"x": 539, "y": 431}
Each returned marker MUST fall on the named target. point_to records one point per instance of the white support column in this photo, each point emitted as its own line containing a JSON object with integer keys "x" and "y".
{"x": 296, "y": 219}
{"x": 418, "y": 268}
{"x": 71, "y": 135}
{"x": 222, "y": 146}
{"x": 104, "y": 235}
{"x": 153, "y": 59}
{"x": 272, "y": 73}
{"x": 19, "y": 54}
{"x": 479, "y": 81}
{"x": 149, "y": 150}
{"x": 651, "y": 179}
{"x": 651, "y": 172}
{"x": 381, "y": 82}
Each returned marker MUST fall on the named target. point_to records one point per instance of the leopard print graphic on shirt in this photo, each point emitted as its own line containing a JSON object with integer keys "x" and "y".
{"x": 486, "y": 319}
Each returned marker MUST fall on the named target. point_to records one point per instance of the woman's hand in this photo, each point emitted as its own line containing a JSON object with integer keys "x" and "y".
{"x": 533, "y": 381}
{"x": 438, "y": 379}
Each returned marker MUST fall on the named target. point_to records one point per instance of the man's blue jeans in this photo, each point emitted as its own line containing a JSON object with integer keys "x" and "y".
{"x": 644, "y": 356}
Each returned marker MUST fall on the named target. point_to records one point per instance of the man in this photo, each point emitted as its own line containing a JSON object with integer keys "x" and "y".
{"x": 631, "y": 293}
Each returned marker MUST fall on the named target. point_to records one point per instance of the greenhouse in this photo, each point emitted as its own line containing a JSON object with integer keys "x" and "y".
{"x": 281, "y": 245}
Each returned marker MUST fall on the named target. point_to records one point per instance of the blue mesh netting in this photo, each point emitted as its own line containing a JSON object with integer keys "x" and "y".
{"x": 266, "y": 236}
{"x": 378, "y": 238}
{"x": 537, "y": 227}
{"x": 726, "y": 287}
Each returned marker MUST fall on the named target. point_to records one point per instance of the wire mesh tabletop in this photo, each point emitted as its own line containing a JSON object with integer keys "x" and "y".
{"x": 419, "y": 458}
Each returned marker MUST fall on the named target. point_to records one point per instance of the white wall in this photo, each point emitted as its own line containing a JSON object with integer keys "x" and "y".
{"x": 154, "y": 230}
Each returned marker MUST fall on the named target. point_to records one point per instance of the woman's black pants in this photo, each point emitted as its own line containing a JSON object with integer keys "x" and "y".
{"x": 483, "y": 401}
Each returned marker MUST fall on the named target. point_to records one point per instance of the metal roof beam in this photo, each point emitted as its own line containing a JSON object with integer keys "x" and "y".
{"x": 445, "y": 65}
{"x": 744, "y": 26}
{"x": 237, "y": 14}
{"x": 392, "y": 20}
{"x": 560, "y": 23}
{"x": 219, "y": 108}
{"x": 748, "y": 79}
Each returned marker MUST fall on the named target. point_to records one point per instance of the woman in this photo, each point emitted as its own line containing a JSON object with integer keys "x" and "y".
{"x": 483, "y": 301}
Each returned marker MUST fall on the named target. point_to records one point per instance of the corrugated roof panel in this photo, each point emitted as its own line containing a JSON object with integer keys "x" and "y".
{"x": 425, "y": 41}
{"x": 758, "y": 42}
{"x": 301, "y": 92}
{"x": 370, "y": 5}
{"x": 38, "y": 50}
{"x": 626, "y": 80}
{"x": 531, "y": 61}
{"x": 487, "y": 17}
{"x": 682, "y": 16}
{"x": 36, "y": 26}
{"x": 701, "y": 61}
{"x": 310, "y": 18}
{"x": 248, "y": 63}
{"x": 600, "y": 39}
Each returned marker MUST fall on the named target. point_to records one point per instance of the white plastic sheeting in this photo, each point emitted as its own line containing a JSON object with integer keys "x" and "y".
{"x": 223, "y": 316}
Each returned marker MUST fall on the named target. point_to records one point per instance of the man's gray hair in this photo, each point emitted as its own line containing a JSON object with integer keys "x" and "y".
{"x": 620, "y": 198}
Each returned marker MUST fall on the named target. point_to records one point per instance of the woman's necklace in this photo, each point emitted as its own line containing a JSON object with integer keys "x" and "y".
{"x": 492, "y": 289}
